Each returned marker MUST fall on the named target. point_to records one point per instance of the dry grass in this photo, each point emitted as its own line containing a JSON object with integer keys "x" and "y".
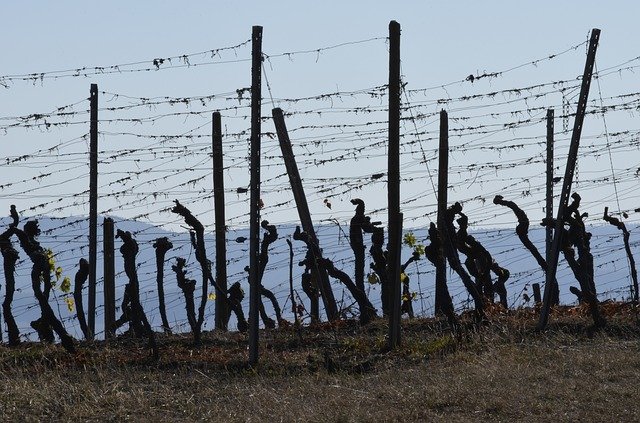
{"x": 503, "y": 372}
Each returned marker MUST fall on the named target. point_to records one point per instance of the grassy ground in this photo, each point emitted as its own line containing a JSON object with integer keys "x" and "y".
{"x": 504, "y": 371}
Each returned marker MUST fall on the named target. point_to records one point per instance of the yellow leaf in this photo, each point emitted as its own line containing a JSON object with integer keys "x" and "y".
{"x": 211, "y": 296}
{"x": 409, "y": 239}
{"x": 373, "y": 278}
{"x": 403, "y": 277}
{"x": 58, "y": 273}
{"x": 52, "y": 262}
{"x": 70, "y": 303}
{"x": 65, "y": 286}
{"x": 406, "y": 297}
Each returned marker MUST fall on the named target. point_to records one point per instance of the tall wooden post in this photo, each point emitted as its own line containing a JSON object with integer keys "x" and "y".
{"x": 393, "y": 194}
{"x": 549, "y": 202}
{"x": 254, "y": 207}
{"x": 93, "y": 208}
{"x": 221, "y": 233}
{"x": 443, "y": 181}
{"x": 395, "y": 317}
{"x": 109, "y": 278}
{"x": 322, "y": 278}
{"x": 552, "y": 263}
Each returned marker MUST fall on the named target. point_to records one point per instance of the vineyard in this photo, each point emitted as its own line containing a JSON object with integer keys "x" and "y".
{"x": 135, "y": 215}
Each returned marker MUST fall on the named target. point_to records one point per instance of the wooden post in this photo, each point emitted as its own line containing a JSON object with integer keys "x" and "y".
{"x": 221, "y": 233}
{"x": 537, "y": 298}
{"x": 552, "y": 264}
{"x": 254, "y": 210}
{"x": 322, "y": 278}
{"x": 394, "y": 290}
{"x": 395, "y": 316}
{"x": 314, "y": 301}
{"x": 109, "y": 278}
{"x": 93, "y": 208}
{"x": 443, "y": 181}
{"x": 549, "y": 202}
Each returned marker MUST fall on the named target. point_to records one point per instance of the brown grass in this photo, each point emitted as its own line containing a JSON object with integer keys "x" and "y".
{"x": 504, "y": 371}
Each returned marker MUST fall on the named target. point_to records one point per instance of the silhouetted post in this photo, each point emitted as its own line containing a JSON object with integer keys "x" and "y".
{"x": 395, "y": 316}
{"x": 537, "y": 298}
{"x": 93, "y": 208}
{"x": 109, "y": 278}
{"x": 311, "y": 279}
{"x": 549, "y": 203}
{"x": 303, "y": 211}
{"x": 552, "y": 263}
{"x": 254, "y": 207}
{"x": 221, "y": 233}
{"x": 393, "y": 188}
{"x": 443, "y": 181}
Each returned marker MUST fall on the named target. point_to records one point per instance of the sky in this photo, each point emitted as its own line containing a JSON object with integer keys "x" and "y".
{"x": 441, "y": 43}
{"x": 332, "y": 90}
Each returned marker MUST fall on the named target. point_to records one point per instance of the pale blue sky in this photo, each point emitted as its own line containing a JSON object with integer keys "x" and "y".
{"x": 441, "y": 42}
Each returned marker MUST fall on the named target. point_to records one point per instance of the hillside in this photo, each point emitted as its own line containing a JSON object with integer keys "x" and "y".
{"x": 67, "y": 237}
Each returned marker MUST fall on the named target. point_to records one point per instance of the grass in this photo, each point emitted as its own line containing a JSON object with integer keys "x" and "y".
{"x": 503, "y": 371}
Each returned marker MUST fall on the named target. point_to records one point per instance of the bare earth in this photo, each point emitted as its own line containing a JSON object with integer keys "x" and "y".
{"x": 503, "y": 371}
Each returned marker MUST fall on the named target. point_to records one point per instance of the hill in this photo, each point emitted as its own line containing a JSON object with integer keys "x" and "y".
{"x": 67, "y": 237}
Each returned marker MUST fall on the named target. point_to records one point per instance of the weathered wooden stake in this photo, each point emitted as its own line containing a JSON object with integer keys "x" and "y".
{"x": 322, "y": 278}
{"x": 393, "y": 188}
{"x": 221, "y": 233}
{"x": 549, "y": 202}
{"x": 537, "y": 298}
{"x": 93, "y": 208}
{"x": 254, "y": 207}
{"x": 443, "y": 180}
{"x": 552, "y": 263}
{"x": 396, "y": 315}
{"x": 109, "y": 278}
